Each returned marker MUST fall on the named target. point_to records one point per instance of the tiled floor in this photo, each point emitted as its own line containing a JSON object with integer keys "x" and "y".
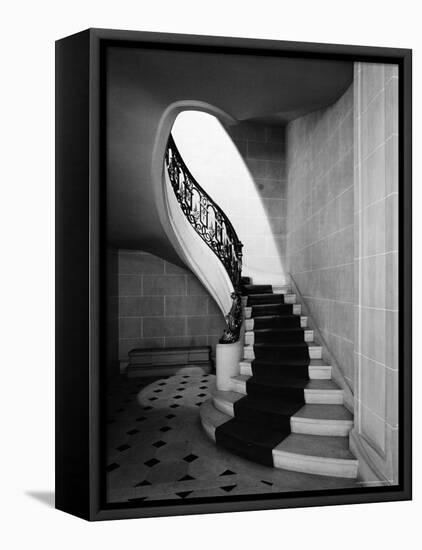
{"x": 157, "y": 449}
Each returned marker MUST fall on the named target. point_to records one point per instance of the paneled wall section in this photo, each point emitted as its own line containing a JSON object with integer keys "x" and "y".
{"x": 376, "y": 264}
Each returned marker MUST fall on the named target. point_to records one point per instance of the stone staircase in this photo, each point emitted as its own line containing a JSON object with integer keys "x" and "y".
{"x": 283, "y": 410}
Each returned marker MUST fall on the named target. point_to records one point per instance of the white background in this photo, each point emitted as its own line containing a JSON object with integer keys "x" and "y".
{"x": 29, "y": 29}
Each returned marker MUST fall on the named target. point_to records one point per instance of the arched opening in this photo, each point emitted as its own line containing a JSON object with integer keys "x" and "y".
{"x": 219, "y": 164}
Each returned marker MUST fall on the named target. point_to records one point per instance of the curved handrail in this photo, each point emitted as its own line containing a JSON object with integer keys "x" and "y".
{"x": 213, "y": 226}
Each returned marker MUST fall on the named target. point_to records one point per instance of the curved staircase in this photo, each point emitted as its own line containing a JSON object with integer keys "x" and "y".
{"x": 283, "y": 410}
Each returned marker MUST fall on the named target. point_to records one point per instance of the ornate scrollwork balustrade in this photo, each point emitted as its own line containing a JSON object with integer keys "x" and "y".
{"x": 213, "y": 226}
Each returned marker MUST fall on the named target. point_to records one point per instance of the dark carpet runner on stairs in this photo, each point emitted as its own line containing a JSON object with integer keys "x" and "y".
{"x": 275, "y": 391}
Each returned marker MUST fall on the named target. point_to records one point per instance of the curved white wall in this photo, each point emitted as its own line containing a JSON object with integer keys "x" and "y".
{"x": 216, "y": 163}
{"x": 196, "y": 254}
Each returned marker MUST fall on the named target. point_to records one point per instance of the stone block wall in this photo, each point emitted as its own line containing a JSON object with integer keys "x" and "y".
{"x": 163, "y": 305}
{"x": 320, "y": 238}
{"x": 259, "y": 214}
{"x": 376, "y": 266}
{"x": 112, "y": 315}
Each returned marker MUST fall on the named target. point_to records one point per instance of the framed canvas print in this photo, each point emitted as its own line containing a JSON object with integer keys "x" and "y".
{"x": 233, "y": 274}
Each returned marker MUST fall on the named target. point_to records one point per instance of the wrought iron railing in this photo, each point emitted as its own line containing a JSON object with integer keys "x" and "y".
{"x": 213, "y": 226}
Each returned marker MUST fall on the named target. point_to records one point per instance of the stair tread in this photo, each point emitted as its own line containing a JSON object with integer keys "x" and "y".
{"x": 325, "y": 446}
{"x": 310, "y": 384}
{"x": 335, "y": 413}
{"x": 255, "y": 289}
{"x": 229, "y": 396}
{"x": 283, "y": 345}
{"x": 241, "y": 377}
{"x": 269, "y": 304}
{"x": 318, "y": 363}
{"x": 265, "y": 295}
{"x": 322, "y": 385}
{"x": 273, "y": 317}
{"x": 324, "y": 412}
{"x": 277, "y": 329}
{"x": 312, "y": 362}
{"x": 279, "y": 305}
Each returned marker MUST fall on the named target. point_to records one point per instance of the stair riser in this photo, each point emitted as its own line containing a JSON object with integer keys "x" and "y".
{"x": 279, "y": 289}
{"x": 327, "y": 397}
{"x": 308, "y": 336}
{"x": 312, "y": 397}
{"x": 315, "y": 465}
{"x": 279, "y": 298}
{"x": 290, "y": 298}
{"x": 315, "y": 373}
{"x": 315, "y": 352}
{"x": 297, "y": 310}
{"x": 250, "y": 323}
{"x": 223, "y": 406}
{"x": 282, "y": 290}
{"x": 313, "y": 426}
{"x": 270, "y": 299}
{"x": 209, "y": 429}
{"x": 265, "y": 299}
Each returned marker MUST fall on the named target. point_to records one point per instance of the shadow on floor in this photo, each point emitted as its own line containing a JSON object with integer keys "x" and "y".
{"x": 45, "y": 497}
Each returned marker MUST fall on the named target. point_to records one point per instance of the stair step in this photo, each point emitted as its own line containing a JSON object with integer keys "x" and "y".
{"x": 278, "y": 335}
{"x": 318, "y": 369}
{"x": 211, "y": 418}
{"x": 282, "y": 289}
{"x": 316, "y": 391}
{"x": 224, "y": 401}
{"x": 329, "y": 420}
{"x": 272, "y": 321}
{"x": 270, "y": 299}
{"x": 315, "y": 352}
{"x": 275, "y": 309}
{"x": 257, "y": 289}
{"x": 267, "y": 298}
{"x": 250, "y": 440}
{"x": 321, "y": 455}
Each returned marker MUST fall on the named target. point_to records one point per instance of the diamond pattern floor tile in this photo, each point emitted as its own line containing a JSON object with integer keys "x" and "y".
{"x": 157, "y": 449}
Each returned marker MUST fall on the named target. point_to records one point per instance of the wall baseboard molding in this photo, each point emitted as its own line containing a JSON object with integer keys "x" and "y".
{"x": 368, "y": 473}
{"x": 168, "y": 361}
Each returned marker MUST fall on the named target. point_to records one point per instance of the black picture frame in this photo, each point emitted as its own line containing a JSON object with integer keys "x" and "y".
{"x": 80, "y": 222}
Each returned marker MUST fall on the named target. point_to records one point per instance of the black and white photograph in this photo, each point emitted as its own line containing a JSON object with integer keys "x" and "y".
{"x": 210, "y": 241}
{"x": 233, "y": 274}
{"x": 252, "y": 274}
